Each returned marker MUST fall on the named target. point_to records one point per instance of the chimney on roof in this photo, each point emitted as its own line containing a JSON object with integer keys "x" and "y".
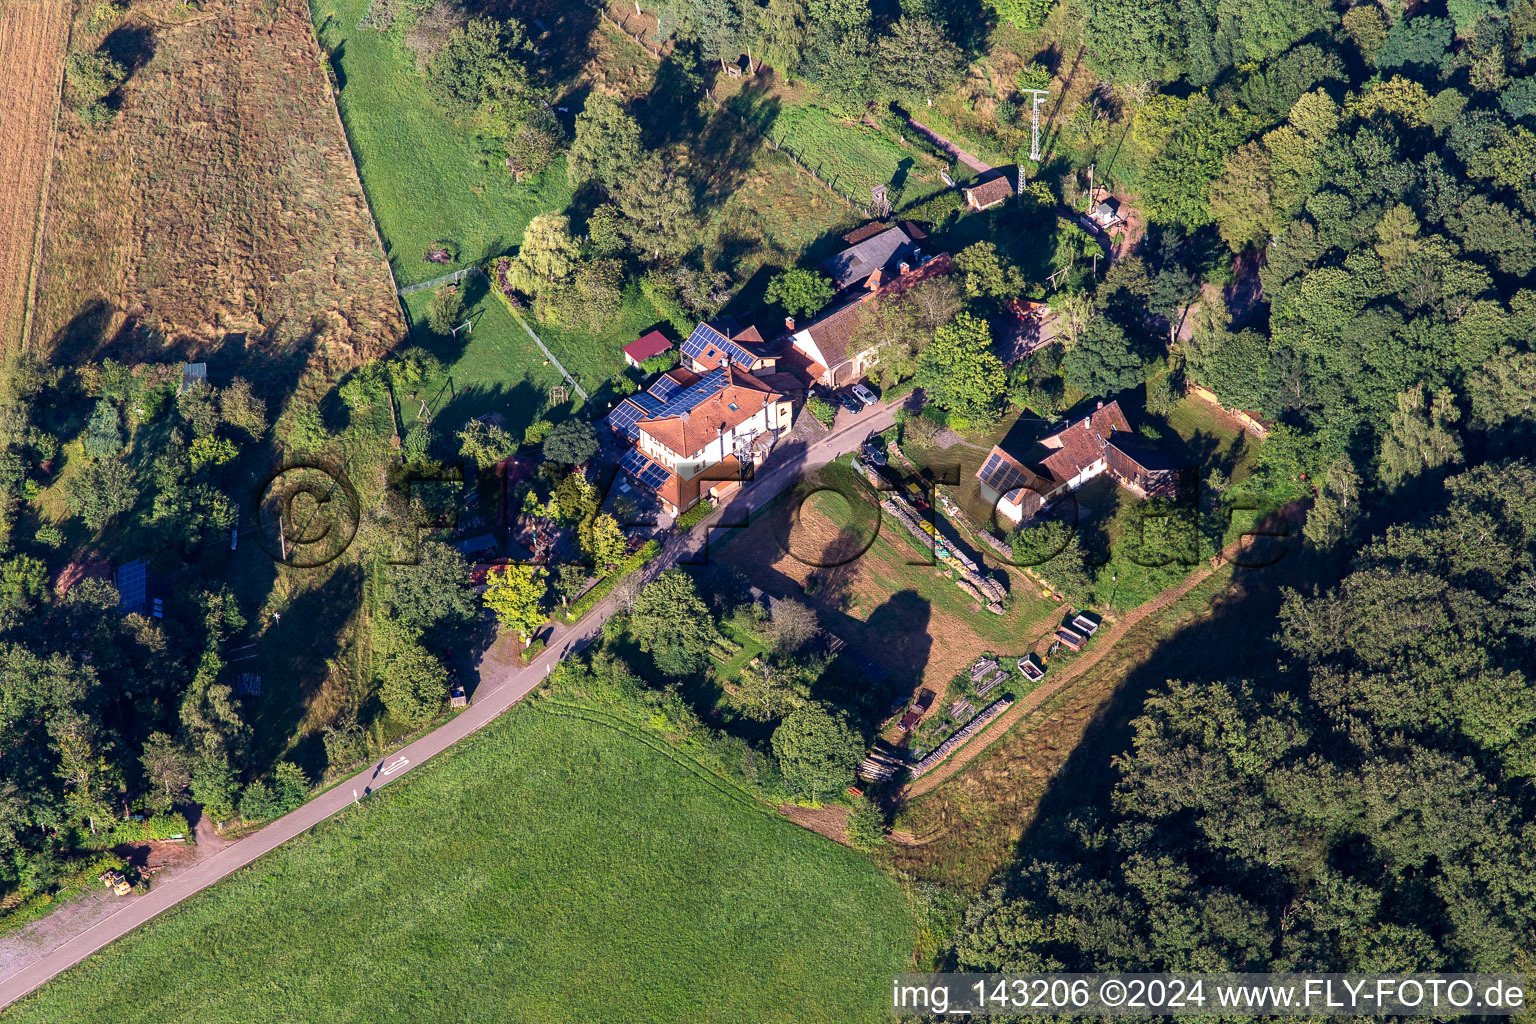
{"x": 906, "y": 268}
{"x": 1100, "y": 405}
{"x": 789, "y": 323}
{"x": 873, "y": 284}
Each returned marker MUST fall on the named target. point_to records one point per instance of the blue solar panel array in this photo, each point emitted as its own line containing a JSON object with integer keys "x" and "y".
{"x": 631, "y": 411}
{"x": 646, "y": 406}
{"x": 664, "y": 388}
{"x": 132, "y": 586}
{"x": 705, "y": 337}
{"x": 1002, "y": 476}
{"x": 643, "y": 469}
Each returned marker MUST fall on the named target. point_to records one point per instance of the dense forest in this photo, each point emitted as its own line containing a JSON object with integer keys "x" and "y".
{"x": 1365, "y": 805}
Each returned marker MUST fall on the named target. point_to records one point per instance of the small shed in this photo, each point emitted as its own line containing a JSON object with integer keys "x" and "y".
{"x": 910, "y": 720}
{"x": 651, "y": 343}
{"x": 1106, "y": 214}
{"x": 191, "y": 373}
{"x": 989, "y": 193}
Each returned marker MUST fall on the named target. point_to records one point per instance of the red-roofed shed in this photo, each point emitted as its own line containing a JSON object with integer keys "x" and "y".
{"x": 652, "y": 343}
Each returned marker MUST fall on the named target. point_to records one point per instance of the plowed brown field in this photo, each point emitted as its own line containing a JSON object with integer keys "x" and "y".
{"x": 32, "y": 38}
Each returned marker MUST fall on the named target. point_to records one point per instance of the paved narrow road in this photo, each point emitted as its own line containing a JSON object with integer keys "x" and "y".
{"x": 492, "y": 696}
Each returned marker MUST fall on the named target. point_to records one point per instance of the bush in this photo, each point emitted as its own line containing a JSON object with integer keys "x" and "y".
{"x": 694, "y": 516}
{"x": 258, "y": 803}
{"x": 866, "y": 825}
{"x": 823, "y": 412}
{"x": 446, "y": 311}
{"x": 937, "y": 209}
{"x": 92, "y": 77}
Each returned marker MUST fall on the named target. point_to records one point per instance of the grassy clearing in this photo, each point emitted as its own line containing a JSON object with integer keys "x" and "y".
{"x": 874, "y": 588}
{"x": 494, "y": 368}
{"x": 427, "y": 178}
{"x": 469, "y": 892}
{"x": 850, "y": 156}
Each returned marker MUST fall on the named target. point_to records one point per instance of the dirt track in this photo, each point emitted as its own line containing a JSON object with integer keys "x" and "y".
{"x": 32, "y": 39}
{"x": 1097, "y": 650}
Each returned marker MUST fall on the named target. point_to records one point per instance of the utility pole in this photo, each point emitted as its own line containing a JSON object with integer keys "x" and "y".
{"x": 1089, "y": 207}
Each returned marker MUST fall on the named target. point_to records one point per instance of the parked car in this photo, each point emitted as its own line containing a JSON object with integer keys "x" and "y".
{"x": 864, "y": 395}
{"x": 847, "y": 401}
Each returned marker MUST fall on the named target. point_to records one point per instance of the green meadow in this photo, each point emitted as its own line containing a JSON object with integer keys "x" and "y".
{"x": 550, "y": 869}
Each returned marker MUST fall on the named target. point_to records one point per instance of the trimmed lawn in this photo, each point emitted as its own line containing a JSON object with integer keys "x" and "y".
{"x": 551, "y": 869}
{"x": 427, "y": 178}
{"x": 495, "y": 367}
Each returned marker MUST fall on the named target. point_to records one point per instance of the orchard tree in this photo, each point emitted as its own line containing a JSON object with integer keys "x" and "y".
{"x": 603, "y": 541}
{"x": 916, "y": 57}
{"x": 607, "y": 145}
{"x": 1103, "y": 362}
{"x": 548, "y": 256}
{"x": 477, "y": 58}
{"x": 958, "y": 370}
{"x": 435, "y": 590}
{"x": 573, "y": 442}
{"x": 799, "y": 292}
{"x": 167, "y": 767}
{"x": 485, "y": 444}
{"x": 985, "y": 273}
{"x": 791, "y": 625}
{"x": 241, "y": 409}
{"x": 658, "y": 208}
{"x": 516, "y": 594}
{"x": 818, "y": 750}
{"x": 672, "y": 622}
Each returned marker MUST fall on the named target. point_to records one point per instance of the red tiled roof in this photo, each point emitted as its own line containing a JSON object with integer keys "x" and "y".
{"x": 690, "y": 432}
{"x": 1080, "y": 444}
{"x": 652, "y": 343}
{"x": 833, "y": 332}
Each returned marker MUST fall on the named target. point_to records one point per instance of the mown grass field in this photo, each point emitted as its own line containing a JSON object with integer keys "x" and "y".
{"x": 427, "y": 178}
{"x": 550, "y": 870}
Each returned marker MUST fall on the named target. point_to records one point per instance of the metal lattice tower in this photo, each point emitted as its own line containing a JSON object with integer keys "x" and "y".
{"x": 1039, "y": 96}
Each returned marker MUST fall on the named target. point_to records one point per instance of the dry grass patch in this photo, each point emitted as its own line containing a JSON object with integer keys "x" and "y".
{"x": 221, "y": 199}
{"x": 32, "y": 40}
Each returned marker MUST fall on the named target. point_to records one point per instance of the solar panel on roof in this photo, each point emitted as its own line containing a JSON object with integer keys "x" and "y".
{"x": 643, "y": 469}
{"x": 631, "y": 411}
{"x": 653, "y": 476}
{"x": 664, "y": 388}
{"x": 712, "y": 383}
{"x": 633, "y": 461}
{"x": 1002, "y": 476}
{"x": 705, "y": 337}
